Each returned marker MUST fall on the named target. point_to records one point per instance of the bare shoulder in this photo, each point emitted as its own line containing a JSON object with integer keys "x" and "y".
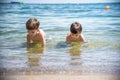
{"x": 68, "y": 35}
{"x": 82, "y": 38}
{"x": 42, "y": 32}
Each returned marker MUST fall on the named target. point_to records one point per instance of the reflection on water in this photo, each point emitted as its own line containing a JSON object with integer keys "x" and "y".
{"x": 75, "y": 53}
{"x": 33, "y": 55}
{"x": 75, "y": 49}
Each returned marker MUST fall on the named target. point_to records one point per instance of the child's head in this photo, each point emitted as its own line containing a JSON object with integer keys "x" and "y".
{"x": 76, "y": 28}
{"x": 32, "y": 24}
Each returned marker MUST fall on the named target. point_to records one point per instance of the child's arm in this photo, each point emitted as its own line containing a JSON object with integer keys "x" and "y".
{"x": 43, "y": 38}
{"x": 67, "y": 38}
{"x": 28, "y": 40}
{"x": 83, "y": 38}
{"x": 43, "y": 41}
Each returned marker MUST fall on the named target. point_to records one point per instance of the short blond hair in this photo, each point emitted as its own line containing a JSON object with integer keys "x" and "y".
{"x": 32, "y": 24}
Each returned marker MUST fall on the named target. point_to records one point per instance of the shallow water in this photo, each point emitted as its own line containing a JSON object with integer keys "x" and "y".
{"x": 101, "y": 28}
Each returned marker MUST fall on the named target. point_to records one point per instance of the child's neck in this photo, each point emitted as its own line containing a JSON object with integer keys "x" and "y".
{"x": 76, "y": 33}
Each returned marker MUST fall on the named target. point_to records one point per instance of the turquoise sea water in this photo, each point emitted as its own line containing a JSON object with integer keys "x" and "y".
{"x": 101, "y": 28}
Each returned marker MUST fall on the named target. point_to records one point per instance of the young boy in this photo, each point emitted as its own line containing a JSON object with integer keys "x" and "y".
{"x": 75, "y": 34}
{"x": 35, "y": 34}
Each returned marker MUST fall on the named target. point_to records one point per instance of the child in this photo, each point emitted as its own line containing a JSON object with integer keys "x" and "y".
{"x": 75, "y": 34}
{"x": 35, "y": 34}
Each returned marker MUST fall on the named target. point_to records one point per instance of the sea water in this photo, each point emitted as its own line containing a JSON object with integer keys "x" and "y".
{"x": 100, "y": 54}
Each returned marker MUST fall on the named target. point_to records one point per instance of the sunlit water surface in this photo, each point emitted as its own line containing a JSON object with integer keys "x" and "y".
{"x": 99, "y": 55}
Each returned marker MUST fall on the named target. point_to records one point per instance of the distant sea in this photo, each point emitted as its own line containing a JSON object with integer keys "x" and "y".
{"x": 101, "y": 28}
